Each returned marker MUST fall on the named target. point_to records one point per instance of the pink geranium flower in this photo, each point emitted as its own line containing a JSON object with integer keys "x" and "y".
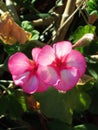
{"x": 24, "y": 72}
{"x": 62, "y": 66}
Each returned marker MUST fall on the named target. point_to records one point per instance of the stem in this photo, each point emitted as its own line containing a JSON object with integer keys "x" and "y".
{"x": 6, "y": 90}
{"x": 1, "y": 11}
{"x": 69, "y": 18}
{"x": 1, "y": 66}
{"x": 66, "y": 12}
{"x": 6, "y": 81}
{"x": 65, "y": 22}
{"x": 12, "y": 9}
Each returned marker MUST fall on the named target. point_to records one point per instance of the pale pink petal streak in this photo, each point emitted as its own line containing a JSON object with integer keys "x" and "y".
{"x": 18, "y": 63}
{"x": 48, "y": 74}
{"x": 69, "y": 77}
{"x": 46, "y": 56}
{"x": 31, "y": 85}
{"x": 35, "y": 53}
{"x": 62, "y": 48}
{"x": 77, "y": 60}
{"x": 21, "y": 79}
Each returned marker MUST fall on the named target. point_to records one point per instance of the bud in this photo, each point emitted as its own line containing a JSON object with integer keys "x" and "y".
{"x": 84, "y": 41}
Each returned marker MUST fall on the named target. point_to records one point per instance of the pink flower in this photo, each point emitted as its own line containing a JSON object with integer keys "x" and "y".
{"x": 62, "y": 66}
{"x": 59, "y": 66}
{"x": 24, "y": 72}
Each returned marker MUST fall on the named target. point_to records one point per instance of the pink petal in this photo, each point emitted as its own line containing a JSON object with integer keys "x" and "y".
{"x": 46, "y": 56}
{"x": 77, "y": 60}
{"x": 48, "y": 74}
{"x": 42, "y": 87}
{"x": 28, "y": 83}
{"x": 21, "y": 79}
{"x": 62, "y": 48}
{"x": 69, "y": 77}
{"x": 31, "y": 85}
{"x": 35, "y": 53}
{"x": 18, "y": 63}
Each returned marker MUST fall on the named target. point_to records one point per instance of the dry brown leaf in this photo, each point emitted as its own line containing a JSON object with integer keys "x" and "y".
{"x": 10, "y": 32}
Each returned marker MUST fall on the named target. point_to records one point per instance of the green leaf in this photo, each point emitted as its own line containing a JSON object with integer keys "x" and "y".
{"x": 80, "y": 31}
{"x": 92, "y": 6}
{"x": 54, "y": 105}
{"x": 12, "y": 105}
{"x": 35, "y": 35}
{"x": 28, "y": 26}
{"x": 85, "y": 127}
{"x": 60, "y": 106}
{"x": 94, "y": 12}
{"x": 33, "y": 1}
{"x": 58, "y": 125}
{"x": 80, "y": 100}
{"x": 12, "y": 49}
{"x": 94, "y": 104}
{"x": 21, "y": 99}
{"x": 43, "y": 15}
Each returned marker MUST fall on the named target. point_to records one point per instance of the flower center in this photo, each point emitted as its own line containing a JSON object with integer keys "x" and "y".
{"x": 59, "y": 63}
{"x": 34, "y": 66}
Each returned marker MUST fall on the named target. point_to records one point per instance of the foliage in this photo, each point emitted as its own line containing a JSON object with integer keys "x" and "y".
{"x": 30, "y": 28}
{"x": 76, "y": 109}
{"x": 85, "y": 127}
{"x": 92, "y": 7}
{"x": 79, "y": 101}
{"x": 10, "y": 104}
{"x": 80, "y": 31}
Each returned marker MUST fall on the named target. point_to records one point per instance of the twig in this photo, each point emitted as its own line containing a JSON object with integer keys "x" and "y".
{"x": 66, "y": 12}
{"x": 43, "y": 22}
{"x": 12, "y": 10}
{"x": 6, "y": 90}
{"x": 61, "y": 31}
{"x": 6, "y": 81}
{"x": 65, "y": 25}
{"x": 70, "y": 16}
{"x": 1, "y": 11}
{"x": 1, "y": 65}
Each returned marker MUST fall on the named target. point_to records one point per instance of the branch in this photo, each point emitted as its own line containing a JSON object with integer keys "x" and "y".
{"x": 12, "y": 10}
{"x": 65, "y": 22}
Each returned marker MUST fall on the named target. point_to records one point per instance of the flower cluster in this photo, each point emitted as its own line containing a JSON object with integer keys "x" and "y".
{"x": 59, "y": 66}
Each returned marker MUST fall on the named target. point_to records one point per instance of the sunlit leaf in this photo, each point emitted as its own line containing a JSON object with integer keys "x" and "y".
{"x": 94, "y": 104}
{"x": 58, "y": 125}
{"x": 85, "y": 127}
{"x": 80, "y": 31}
{"x": 13, "y": 104}
{"x": 85, "y": 79}
{"x": 28, "y": 26}
{"x": 9, "y": 105}
{"x": 60, "y": 106}
{"x": 54, "y": 105}
{"x": 92, "y": 7}
{"x": 21, "y": 99}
